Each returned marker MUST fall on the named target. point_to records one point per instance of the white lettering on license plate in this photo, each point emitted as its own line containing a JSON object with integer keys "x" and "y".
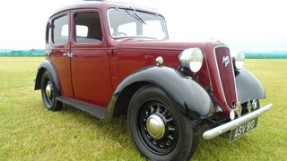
{"x": 242, "y": 129}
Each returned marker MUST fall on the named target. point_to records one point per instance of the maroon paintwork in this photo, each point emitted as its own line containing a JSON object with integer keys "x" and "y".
{"x": 114, "y": 59}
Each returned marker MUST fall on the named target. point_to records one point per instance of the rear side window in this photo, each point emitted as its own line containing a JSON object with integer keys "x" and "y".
{"x": 61, "y": 30}
{"x": 87, "y": 27}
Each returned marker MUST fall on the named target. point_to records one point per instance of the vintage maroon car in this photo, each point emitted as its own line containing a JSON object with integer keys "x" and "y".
{"x": 109, "y": 59}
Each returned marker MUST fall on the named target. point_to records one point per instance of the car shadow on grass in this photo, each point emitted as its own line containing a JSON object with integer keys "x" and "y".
{"x": 118, "y": 123}
{"x": 117, "y": 127}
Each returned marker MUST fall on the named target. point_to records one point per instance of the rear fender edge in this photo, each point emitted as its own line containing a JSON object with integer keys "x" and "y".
{"x": 248, "y": 86}
{"x": 192, "y": 100}
{"x": 46, "y": 66}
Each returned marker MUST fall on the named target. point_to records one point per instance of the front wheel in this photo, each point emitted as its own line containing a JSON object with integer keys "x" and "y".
{"x": 158, "y": 129}
{"x": 49, "y": 92}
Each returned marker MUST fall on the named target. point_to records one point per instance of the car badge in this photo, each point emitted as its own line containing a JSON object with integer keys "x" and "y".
{"x": 225, "y": 60}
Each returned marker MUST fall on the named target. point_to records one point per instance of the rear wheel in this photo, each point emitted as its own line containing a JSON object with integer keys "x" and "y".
{"x": 49, "y": 93}
{"x": 158, "y": 129}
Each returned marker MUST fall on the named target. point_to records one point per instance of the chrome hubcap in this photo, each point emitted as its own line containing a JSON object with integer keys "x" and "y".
{"x": 48, "y": 90}
{"x": 155, "y": 127}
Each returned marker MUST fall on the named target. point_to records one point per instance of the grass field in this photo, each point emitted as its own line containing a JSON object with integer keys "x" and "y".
{"x": 29, "y": 132}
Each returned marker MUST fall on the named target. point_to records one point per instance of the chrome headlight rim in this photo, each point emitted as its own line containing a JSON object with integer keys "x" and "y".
{"x": 239, "y": 60}
{"x": 192, "y": 58}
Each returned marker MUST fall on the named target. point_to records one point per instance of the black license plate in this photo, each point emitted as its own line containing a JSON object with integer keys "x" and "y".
{"x": 242, "y": 129}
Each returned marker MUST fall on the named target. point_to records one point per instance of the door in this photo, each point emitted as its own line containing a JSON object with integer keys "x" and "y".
{"x": 90, "y": 61}
{"x": 58, "y": 51}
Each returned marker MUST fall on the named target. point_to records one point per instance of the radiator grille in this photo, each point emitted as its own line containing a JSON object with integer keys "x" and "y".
{"x": 226, "y": 75}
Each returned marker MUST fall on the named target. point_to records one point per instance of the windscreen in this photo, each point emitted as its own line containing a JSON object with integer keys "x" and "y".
{"x": 131, "y": 23}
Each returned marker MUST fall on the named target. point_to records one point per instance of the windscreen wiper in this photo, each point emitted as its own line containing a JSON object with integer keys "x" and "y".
{"x": 135, "y": 15}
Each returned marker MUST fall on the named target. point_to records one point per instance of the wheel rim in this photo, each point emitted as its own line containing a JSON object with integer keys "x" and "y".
{"x": 157, "y": 128}
{"x": 49, "y": 94}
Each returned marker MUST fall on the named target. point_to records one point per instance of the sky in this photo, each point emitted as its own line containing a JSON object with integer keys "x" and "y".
{"x": 243, "y": 25}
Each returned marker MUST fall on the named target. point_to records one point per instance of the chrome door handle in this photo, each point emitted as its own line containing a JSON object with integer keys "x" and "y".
{"x": 68, "y": 54}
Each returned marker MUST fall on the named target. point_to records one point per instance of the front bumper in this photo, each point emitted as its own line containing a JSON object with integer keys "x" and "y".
{"x": 212, "y": 133}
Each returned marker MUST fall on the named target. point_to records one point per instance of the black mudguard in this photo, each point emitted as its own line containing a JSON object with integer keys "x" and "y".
{"x": 46, "y": 66}
{"x": 248, "y": 86}
{"x": 192, "y": 100}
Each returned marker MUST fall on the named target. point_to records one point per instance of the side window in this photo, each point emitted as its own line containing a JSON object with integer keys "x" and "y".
{"x": 87, "y": 27}
{"x": 61, "y": 30}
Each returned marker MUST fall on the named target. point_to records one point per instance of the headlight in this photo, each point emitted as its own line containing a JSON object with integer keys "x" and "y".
{"x": 239, "y": 60}
{"x": 191, "y": 58}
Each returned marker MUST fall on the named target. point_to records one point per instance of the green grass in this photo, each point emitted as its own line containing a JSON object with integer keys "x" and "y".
{"x": 29, "y": 132}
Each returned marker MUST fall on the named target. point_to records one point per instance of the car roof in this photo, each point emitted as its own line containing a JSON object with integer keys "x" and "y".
{"x": 102, "y": 4}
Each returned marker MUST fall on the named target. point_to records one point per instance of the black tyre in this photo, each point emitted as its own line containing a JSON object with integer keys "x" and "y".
{"x": 49, "y": 93}
{"x": 159, "y": 130}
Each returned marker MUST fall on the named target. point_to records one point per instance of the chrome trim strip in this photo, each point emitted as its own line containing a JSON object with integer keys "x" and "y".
{"x": 212, "y": 133}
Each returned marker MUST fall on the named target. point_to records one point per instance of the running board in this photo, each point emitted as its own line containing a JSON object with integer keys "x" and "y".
{"x": 94, "y": 110}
